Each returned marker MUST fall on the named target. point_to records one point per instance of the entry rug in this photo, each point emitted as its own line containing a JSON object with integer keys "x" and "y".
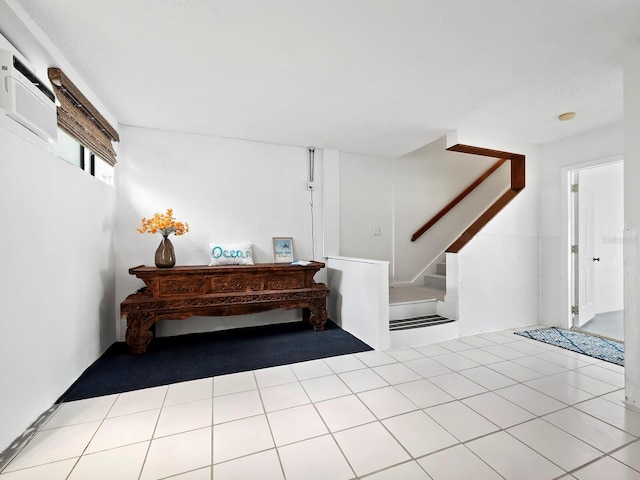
{"x": 596, "y": 347}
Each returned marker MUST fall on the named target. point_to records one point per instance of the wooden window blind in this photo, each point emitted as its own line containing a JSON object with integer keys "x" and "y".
{"x": 80, "y": 119}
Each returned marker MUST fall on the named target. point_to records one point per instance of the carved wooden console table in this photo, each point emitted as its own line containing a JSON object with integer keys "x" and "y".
{"x": 181, "y": 292}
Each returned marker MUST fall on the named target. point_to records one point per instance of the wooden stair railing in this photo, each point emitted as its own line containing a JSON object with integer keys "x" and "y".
{"x": 516, "y": 186}
{"x": 450, "y": 206}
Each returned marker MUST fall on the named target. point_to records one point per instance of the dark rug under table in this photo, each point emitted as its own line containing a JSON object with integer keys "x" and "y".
{"x": 194, "y": 356}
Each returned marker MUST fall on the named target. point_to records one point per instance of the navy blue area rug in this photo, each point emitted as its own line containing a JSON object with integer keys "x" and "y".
{"x": 596, "y": 347}
{"x": 190, "y": 357}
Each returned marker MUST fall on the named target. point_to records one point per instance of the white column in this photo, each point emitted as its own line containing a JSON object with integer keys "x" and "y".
{"x": 632, "y": 223}
{"x": 331, "y": 199}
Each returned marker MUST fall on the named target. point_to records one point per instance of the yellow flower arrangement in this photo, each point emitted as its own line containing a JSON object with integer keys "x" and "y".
{"x": 163, "y": 223}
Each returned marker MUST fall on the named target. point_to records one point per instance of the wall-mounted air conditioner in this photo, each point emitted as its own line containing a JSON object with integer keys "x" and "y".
{"x": 25, "y": 98}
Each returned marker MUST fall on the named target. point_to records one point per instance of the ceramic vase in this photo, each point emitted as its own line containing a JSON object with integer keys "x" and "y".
{"x": 165, "y": 256}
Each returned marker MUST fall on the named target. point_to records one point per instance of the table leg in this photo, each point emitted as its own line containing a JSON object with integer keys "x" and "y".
{"x": 138, "y": 331}
{"x": 316, "y": 314}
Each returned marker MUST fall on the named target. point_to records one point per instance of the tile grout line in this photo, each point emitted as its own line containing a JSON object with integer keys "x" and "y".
{"x": 275, "y": 445}
{"x": 213, "y": 398}
{"x": 155, "y": 427}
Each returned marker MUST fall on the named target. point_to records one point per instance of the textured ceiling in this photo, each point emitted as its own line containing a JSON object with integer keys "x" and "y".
{"x": 380, "y": 77}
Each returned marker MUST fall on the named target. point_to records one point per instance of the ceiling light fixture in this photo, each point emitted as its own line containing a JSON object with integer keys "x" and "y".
{"x": 566, "y": 116}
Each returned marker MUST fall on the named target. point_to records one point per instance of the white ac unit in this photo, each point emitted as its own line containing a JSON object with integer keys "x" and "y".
{"x": 25, "y": 98}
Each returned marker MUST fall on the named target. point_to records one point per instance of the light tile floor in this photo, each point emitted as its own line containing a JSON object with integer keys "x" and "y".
{"x": 489, "y": 406}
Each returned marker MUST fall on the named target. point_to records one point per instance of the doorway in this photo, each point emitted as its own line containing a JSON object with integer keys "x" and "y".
{"x": 596, "y": 229}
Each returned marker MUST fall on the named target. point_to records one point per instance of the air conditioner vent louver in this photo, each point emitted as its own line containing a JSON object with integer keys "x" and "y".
{"x": 22, "y": 68}
{"x": 26, "y": 98}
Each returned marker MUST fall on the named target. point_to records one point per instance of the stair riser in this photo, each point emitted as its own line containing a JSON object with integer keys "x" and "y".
{"x": 424, "y": 336}
{"x": 408, "y": 325}
{"x": 399, "y": 311}
{"x": 435, "y": 281}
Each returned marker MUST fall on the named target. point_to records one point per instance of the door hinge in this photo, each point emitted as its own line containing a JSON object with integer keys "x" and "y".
{"x": 574, "y": 248}
{"x": 574, "y": 187}
{"x": 574, "y": 310}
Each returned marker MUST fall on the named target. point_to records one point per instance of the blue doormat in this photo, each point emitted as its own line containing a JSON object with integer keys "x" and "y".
{"x": 596, "y": 347}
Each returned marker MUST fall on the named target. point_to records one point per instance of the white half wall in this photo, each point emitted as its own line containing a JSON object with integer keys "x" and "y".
{"x": 58, "y": 276}
{"x": 359, "y": 299}
{"x": 228, "y": 191}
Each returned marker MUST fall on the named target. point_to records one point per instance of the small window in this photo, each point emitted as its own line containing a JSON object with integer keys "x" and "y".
{"x": 103, "y": 170}
{"x": 69, "y": 150}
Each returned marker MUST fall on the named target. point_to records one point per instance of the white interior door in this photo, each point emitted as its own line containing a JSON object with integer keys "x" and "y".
{"x": 586, "y": 255}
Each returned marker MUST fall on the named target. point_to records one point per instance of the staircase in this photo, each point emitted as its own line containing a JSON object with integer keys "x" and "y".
{"x": 437, "y": 280}
{"x": 413, "y": 312}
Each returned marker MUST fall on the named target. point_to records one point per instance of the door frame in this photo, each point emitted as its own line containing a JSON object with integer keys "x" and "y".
{"x": 567, "y": 174}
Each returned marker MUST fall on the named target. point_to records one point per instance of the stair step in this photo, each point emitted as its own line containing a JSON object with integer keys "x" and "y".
{"x": 435, "y": 280}
{"x": 441, "y": 268}
{"x": 415, "y": 337}
{"x": 418, "y": 322}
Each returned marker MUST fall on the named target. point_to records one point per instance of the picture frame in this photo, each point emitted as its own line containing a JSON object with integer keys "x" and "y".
{"x": 282, "y": 249}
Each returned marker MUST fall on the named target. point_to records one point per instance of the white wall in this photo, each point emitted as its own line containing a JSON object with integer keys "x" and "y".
{"x": 228, "y": 191}
{"x": 58, "y": 271}
{"x": 498, "y": 282}
{"x": 557, "y": 158}
{"x": 57, "y": 285}
{"x": 366, "y": 203}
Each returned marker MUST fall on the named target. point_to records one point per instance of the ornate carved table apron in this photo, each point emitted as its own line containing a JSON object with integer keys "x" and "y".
{"x": 181, "y": 292}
